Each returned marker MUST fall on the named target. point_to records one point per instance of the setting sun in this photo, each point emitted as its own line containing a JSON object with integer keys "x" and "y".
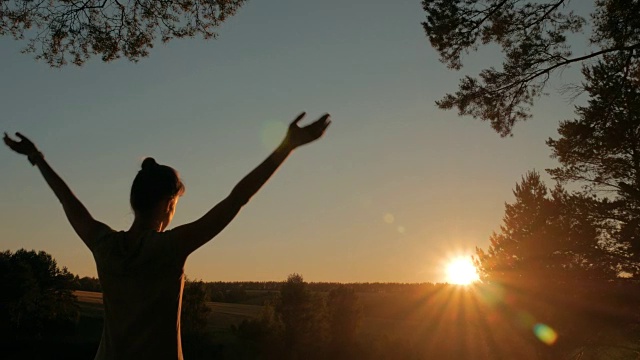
{"x": 461, "y": 271}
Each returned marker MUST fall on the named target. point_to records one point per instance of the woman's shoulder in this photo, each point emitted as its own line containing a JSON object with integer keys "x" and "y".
{"x": 106, "y": 236}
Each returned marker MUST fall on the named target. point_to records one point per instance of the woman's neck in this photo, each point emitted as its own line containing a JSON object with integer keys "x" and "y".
{"x": 142, "y": 225}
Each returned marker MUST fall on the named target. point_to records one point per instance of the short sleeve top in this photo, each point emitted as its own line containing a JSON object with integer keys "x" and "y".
{"x": 142, "y": 280}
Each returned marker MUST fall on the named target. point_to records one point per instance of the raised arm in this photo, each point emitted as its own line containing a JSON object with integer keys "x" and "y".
{"x": 82, "y": 222}
{"x": 192, "y": 236}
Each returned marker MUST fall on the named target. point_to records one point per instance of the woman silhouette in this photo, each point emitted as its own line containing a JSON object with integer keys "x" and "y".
{"x": 141, "y": 269}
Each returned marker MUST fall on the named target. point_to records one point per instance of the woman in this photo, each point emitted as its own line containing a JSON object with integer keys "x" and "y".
{"x": 141, "y": 269}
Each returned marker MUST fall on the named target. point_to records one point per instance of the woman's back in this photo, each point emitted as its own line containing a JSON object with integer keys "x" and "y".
{"x": 142, "y": 279}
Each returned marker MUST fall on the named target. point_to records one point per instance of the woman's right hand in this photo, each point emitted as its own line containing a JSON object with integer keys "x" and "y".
{"x": 24, "y": 146}
{"x": 298, "y": 136}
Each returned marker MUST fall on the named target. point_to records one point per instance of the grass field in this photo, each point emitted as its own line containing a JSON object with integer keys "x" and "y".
{"x": 381, "y": 315}
{"x": 221, "y": 317}
{"x": 377, "y": 312}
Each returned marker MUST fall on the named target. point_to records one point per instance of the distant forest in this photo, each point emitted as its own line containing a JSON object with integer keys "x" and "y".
{"x": 218, "y": 289}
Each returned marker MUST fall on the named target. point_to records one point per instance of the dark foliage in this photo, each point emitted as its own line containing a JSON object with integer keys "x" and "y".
{"x": 193, "y": 319}
{"x": 305, "y": 324}
{"x": 262, "y": 337}
{"x": 194, "y": 309}
{"x": 36, "y": 301}
{"x": 549, "y": 267}
{"x": 59, "y": 31}
{"x": 600, "y": 150}
{"x": 87, "y": 283}
{"x": 302, "y": 313}
{"x": 344, "y": 316}
{"x": 533, "y": 37}
{"x": 545, "y": 235}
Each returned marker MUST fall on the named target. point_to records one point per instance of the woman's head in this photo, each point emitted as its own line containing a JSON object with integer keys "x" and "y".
{"x": 155, "y": 190}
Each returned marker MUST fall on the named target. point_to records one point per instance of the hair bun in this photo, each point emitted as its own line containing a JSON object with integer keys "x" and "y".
{"x": 148, "y": 163}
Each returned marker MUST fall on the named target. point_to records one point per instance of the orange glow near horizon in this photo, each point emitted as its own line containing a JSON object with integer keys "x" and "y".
{"x": 461, "y": 271}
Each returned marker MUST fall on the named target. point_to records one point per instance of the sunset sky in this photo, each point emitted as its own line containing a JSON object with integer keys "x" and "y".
{"x": 395, "y": 187}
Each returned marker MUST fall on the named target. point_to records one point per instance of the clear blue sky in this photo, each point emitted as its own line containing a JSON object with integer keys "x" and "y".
{"x": 394, "y": 188}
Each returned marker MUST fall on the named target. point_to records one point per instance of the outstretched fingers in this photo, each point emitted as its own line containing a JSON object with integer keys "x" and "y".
{"x": 7, "y": 140}
{"x": 321, "y": 124}
{"x": 324, "y": 118}
{"x": 297, "y": 120}
{"x": 316, "y": 129}
{"x": 23, "y": 146}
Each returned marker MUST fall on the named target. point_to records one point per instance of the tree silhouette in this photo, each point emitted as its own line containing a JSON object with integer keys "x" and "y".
{"x": 545, "y": 235}
{"x": 551, "y": 260}
{"x": 59, "y": 30}
{"x": 302, "y": 314}
{"x": 601, "y": 151}
{"x": 87, "y": 283}
{"x": 262, "y": 337}
{"x": 36, "y": 299}
{"x": 533, "y": 37}
{"x": 194, "y": 311}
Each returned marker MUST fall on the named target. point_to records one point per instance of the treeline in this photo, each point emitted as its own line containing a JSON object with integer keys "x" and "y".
{"x": 250, "y": 291}
{"x": 557, "y": 319}
{"x": 86, "y": 283}
{"x": 319, "y": 286}
{"x": 259, "y": 293}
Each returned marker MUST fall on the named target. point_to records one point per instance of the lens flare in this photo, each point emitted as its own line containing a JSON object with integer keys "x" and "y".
{"x": 389, "y": 218}
{"x": 545, "y": 333}
{"x": 272, "y": 133}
